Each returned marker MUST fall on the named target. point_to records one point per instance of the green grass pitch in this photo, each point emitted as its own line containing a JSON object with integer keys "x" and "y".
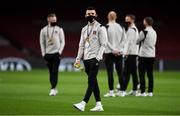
{"x": 26, "y": 93}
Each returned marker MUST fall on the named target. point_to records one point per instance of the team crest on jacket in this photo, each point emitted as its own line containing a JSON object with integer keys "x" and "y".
{"x": 56, "y": 31}
{"x": 94, "y": 32}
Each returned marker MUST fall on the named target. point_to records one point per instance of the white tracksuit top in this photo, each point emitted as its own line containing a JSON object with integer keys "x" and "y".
{"x": 116, "y": 37}
{"x": 52, "y": 40}
{"x": 95, "y": 47}
{"x": 147, "y": 48}
{"x": 130, "y": 47}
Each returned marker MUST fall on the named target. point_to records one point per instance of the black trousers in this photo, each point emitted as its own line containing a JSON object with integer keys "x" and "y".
{"x": 110, "y": 60}
{"x": 91, "y": 69}
{"x": 53, "y": 62}
{"x": 146, "y": 65}
{"x": 130, "y": 69}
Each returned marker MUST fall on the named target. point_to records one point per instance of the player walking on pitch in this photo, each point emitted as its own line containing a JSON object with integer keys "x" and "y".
{"x": 91, "y": 48}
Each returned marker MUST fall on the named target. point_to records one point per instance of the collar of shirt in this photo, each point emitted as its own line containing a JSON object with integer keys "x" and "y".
{"x": 111, "y": 23}
{"x": 133, "y": 26}
{"x": 148, "y": 27}
{"x": 91, "y": 24}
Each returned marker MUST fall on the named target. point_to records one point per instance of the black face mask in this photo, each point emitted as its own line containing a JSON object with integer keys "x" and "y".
{"x": 53, "y": 24}
{"x": 90, "y": 18}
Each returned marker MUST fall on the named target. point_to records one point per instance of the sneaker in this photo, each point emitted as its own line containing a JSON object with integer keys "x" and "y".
{"x": 80, "y": 106}
{"x": 53, "y": 92}
{"x": 150, "y": 94}
{"x": 109, "y": 95}
{"x": 121, "y": 93}
{"x": 141, "y": 94}
{"x": 97, "y": 108}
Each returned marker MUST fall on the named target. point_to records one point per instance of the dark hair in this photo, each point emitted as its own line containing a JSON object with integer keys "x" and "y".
{"x": 133, "y": 17}
{"x": 149, "y": 20}
{"x": 51, "y": 15}
{"x": 90, "y": 8}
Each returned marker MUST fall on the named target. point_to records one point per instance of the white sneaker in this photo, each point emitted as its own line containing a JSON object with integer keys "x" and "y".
{"x": 150, "y": 94}
{"x": 53, "y": 92}
{"x": 121, "y": 93}
{"x": 97, "y": 108}
{"x": 141, "y": 94}
{"x": 109, "y": 95}
{"x": 80, "y": 106}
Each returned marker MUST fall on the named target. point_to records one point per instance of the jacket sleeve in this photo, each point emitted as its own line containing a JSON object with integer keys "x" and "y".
{"x": 122, "y": 40}
{"x": 103, "y": 42}
{"x": 128, "y": 41}
{"x": 62, "y": 40}
{"x": 42, "y": 43}
{"x": 141, "y": 37}
{"x": 81, "y": 47}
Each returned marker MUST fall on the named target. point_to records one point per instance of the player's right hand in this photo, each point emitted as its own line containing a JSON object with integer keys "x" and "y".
{"x": 77, "y": 64}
